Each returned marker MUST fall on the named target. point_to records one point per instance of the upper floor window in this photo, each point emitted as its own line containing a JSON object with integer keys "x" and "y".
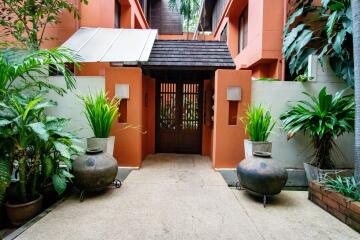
{"x": 223, "y": 36}
{"x": 243, "y": 29}
{"x": 117, "y": 18}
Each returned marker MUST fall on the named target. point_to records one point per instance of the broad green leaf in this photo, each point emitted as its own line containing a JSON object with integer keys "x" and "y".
{"x": 59, "y": 183}
{"x": 4, "y": 122}
{"x": 48, "y": 167}
{"x": 40, "y": 130}
{"x": 330, "y": 23}
{"x": 62, "y": 149}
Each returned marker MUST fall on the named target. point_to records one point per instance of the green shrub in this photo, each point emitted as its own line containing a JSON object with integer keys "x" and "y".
{"x": 100, "y": 113}
{"x": 258, "y": 123}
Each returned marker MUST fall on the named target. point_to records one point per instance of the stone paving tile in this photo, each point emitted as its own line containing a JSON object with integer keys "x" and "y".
{"x": 182, "y": 197}
{"x": 292, "y": 215}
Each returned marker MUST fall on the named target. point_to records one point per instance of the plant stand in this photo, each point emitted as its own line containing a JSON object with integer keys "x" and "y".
{"x": 239, "y": 187}
{"x": 117, "y": 184}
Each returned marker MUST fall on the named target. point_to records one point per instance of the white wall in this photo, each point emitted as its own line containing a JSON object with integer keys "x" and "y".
{"x": 277, "y": 96}
{"x": 69, "y": 105}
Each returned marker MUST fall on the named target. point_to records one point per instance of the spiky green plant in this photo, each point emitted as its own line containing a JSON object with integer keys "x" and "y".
{"x": 344, "y": 185}
{"x": 100, "y": 113}
{"x": 258, "y": 123}
{"x": 324, "y": 118}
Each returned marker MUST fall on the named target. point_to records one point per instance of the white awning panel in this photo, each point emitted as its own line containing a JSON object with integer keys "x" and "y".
{"x": 128, "y": 46}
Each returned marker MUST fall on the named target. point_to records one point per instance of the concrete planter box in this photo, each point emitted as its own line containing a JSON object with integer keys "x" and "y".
{"x": 343, "y": 208}
{"x": 316, "y": 174}
{"x": 106, "y": 144}
{"x": 251, "y": 147}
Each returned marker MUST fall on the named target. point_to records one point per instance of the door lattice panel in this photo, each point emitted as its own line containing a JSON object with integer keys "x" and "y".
{"x": 168, "y": 105}
{"x": 190, "y": 108}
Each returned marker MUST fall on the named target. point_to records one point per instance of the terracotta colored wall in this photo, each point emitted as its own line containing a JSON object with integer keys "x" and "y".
{"x": 148, "y": 116}
{"x": 98, "y": 13}
{"x": 228, "y": 148}
{"x": 92, "y": 69}
{"x": 265, "y": 28}
{"x": 128, "y": 143}
{"x": 62, "y": 31}
{"x": 207, "y": 130}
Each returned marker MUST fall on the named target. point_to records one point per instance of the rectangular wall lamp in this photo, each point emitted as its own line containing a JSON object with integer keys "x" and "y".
{"x": 233, "y": 94}
{"x": 122, "y": 91}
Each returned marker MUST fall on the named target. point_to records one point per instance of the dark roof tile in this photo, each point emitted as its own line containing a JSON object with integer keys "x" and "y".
{"x": 189, "y": 53}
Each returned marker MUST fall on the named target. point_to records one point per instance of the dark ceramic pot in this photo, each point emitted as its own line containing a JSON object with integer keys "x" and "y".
{"x": 94, "y": 170}
{"x": 19, "y": 214}
{"x": 261, "y": 175}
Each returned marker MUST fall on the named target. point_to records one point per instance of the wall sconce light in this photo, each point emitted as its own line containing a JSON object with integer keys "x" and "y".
{"x": 122, "y": 91}
{"x": 233, "y": 94}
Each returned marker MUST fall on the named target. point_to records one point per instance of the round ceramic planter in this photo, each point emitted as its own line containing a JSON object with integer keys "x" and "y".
{"x": 260, "y": 174}
{"x": 95, "y": 170}
{"x": 19, "y": 214}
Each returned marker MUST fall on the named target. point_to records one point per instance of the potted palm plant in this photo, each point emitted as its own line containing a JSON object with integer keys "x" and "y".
{"x": 25, "y": 130}
{"x": 323, "y": 118}
{"x": 101, "y": 113}
{"x": 258, "y": 125}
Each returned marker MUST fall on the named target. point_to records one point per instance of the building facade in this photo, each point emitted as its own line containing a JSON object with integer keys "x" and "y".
{"x": 186, "y": 96}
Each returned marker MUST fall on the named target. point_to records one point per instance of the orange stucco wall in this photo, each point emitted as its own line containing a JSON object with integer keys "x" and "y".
{"x": 98, "y": 13}
{"x": 62, "y": 31}
{"x": 128, "y": 140}
{"x": 207, "y": 129}
{"x": 227, "y": 145}
{"x": 265, "y": 27}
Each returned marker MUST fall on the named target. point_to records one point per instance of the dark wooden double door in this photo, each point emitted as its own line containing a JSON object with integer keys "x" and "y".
{"x": 179, "y": 116}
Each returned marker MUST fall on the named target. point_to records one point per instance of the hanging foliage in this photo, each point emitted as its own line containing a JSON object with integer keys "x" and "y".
{"x": 26, "y": 20}
{"x": 324, "y": 30}
{"x": 189, "y": 9}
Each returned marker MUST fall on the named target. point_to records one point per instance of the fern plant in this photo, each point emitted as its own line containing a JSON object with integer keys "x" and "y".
{"x": 324, "y": 118}
{"x": 258, "y": 123}
{"x": 100, "y": 113}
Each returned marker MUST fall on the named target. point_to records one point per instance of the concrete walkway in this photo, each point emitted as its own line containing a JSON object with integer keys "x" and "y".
{"x": 182, "y": 197}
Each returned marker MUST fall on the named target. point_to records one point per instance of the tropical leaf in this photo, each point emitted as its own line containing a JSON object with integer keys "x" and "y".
{"x": 62, "y": 149}
{"x": 59, "y": 183}
{"x": 48, "y": 167}
{"x": 40, "y": 130}
{"x": 326, "y": 30}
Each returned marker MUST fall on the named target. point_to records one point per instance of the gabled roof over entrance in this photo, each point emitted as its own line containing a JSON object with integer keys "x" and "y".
{"x": 190, "y": 54}
{"x": 126, "y": 46}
